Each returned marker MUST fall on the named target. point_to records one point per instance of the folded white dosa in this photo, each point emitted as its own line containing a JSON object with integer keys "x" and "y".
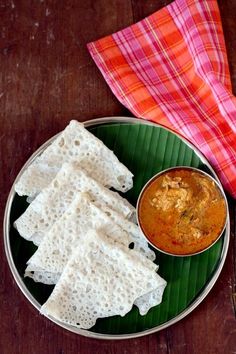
{"x": 54, "y": 200}
{"x": 75, "y": 143}
{"x": 48, "y": 262}
{"x": 101, "y": 279}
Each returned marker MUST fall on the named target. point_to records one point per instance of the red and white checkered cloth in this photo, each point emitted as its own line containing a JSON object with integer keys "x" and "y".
{"x": 172, "y": 68}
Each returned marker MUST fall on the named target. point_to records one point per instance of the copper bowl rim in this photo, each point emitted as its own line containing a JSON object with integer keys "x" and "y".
{"x": 219, "y": 186}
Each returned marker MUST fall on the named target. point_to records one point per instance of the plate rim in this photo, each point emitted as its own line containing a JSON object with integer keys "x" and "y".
{"x": 6, "y": 238}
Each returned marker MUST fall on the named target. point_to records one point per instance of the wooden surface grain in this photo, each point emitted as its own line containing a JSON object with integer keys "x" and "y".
{"x": 47, "y": 78}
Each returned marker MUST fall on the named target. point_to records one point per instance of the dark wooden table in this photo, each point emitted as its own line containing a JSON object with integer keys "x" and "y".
{"x": 47, "y": 78}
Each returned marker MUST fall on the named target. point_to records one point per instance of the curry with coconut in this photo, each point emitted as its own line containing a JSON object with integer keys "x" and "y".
{"x": 182, "y": 211}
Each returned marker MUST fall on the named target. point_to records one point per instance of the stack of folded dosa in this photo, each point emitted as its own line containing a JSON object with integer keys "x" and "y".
{"x": 84, "y": 232}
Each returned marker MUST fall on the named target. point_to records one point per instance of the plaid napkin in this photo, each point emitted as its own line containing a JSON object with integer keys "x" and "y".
{"x": 172, "y": 68}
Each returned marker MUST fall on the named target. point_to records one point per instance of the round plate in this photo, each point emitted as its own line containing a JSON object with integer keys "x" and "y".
{"x": 145, "y": 148}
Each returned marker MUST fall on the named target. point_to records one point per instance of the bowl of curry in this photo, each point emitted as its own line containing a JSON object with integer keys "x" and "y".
{"x": 182, "y": 211}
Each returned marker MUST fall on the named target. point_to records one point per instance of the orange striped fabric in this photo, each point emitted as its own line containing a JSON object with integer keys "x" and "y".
{"x": 172, "y": 68}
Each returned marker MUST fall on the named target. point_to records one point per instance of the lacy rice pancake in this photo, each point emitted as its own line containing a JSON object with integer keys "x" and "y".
{"x": 75, "y": 143}
{"x": 54, "y": 200}
{"x": 182, "y": 211}
{"x": 114, "y": 278}
{"x": 48, "y": 262}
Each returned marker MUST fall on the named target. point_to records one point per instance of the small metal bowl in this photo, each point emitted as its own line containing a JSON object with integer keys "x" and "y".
{"x": 218, "y": 185}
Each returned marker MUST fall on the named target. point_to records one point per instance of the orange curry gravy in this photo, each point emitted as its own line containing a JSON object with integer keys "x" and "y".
{"x": 182, "y": 211}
